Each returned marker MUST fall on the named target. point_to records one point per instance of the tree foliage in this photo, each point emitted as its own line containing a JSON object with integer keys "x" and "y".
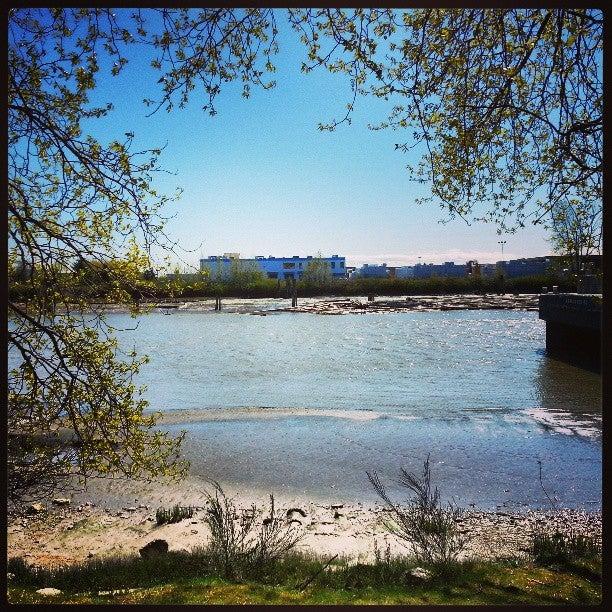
{"x": 505, "y": 104}
{"x": 85, "y": 213}
{"x": 243, "y": 275}
{"x": 576, "y": 231}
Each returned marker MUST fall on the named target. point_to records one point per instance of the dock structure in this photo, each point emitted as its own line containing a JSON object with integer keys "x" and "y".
{"x": 573, "y": 328}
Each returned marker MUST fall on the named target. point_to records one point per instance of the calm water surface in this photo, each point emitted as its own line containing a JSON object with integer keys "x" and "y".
{"x": 473, "y": 388}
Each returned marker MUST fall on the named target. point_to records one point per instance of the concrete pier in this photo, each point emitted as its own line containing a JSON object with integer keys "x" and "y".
{"x": 573, "y": 328}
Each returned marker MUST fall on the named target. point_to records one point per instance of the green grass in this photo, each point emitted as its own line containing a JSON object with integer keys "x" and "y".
{"x": 188, "y": 578}
{"x": 563, "y": 548}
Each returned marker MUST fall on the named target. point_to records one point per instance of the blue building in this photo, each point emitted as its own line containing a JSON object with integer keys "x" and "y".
{"x": 404, "y": 272}
{"x": 373, "y": 271}
{"x": 447, "y": 269}
{"x": 524, "y": 267}
{"x": 223, "y": 267}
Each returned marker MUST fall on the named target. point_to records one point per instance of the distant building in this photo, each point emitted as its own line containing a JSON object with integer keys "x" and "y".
{"x": 524, "y": 267}
{"x": 488, "y": 269}
{"x": 404, "y": 272}
{"x": 373, "y": 271}
{"x": 222, "y": 267}
{"x": 447, "y": 269}
{"x": 472, "y": 268}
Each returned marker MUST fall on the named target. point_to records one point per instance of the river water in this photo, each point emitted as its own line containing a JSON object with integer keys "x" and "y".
{"x": 304, "y": 404}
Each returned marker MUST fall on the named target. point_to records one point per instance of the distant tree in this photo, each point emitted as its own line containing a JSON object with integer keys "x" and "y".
{"x": 244, "y": 274}
{"x": 149, "y": 274}
{"x": 576, "y": 232}
{"x": 317, "y": 272}
{"x": 20, "y": 271}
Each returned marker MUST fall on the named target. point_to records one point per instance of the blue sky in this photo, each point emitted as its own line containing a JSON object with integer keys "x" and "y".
{"x": 259, "y": 178}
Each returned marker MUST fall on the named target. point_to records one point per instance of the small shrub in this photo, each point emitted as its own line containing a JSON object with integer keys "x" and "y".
{"x": 382, "y": 557}
{"x": 563, "y": 548}
{"x": 174, "y": 515}
{"x": 424, "y": 523}
{"x": 237, "y": 547}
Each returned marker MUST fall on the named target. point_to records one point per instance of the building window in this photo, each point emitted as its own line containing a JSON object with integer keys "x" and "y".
{"x": 272, "y": 274}
{"x": 342, "y": 264}
{"x": 333, "y": 264}
{"x": 288, "y": 264}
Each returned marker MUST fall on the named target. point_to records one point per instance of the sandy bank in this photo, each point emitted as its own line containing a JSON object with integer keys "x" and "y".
{"x": 87, "y": 529}
{"x": 260, "y": 412}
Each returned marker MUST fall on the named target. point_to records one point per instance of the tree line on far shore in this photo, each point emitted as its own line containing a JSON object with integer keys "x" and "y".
{"x": 99, "y": 283}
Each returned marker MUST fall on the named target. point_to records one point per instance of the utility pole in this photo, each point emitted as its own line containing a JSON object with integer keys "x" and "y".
{"x": 501, "y": 275}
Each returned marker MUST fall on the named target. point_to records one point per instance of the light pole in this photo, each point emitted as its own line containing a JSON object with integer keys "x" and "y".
{"x": 502, "y": 242}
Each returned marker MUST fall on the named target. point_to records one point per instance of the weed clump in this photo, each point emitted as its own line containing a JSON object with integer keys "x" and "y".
{"x": 563, "y": 548}
{"x": 240, "y": 546}
{"x": 174, "y": 515}
{"x": 424, "y": 523}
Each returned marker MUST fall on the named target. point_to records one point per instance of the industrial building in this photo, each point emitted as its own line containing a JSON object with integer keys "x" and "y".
{"x": 447, "y": 269}
{"x": 404, "y": 272}
{"x": 223, "y": 267}
{"x": 525, "y": 267}
{"x": 373, "y": 271}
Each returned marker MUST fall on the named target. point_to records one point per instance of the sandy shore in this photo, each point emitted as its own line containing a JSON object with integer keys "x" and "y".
{"x": 173, "y": 417}
{"x": 94, "y": 524}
